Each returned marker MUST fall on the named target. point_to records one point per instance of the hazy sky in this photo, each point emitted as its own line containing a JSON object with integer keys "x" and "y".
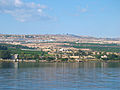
{"x": 99, "y": 18}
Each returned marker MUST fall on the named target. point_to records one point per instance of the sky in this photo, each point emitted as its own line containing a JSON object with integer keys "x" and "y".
{"x": 98, "y": 18}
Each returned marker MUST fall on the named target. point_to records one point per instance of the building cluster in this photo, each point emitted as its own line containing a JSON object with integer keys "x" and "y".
{"x": 77, "y": 54}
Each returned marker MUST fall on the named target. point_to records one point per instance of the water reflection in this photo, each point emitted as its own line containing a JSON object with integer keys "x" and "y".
{"x": 65, "y": 76}
{"x": 57, "y": 65}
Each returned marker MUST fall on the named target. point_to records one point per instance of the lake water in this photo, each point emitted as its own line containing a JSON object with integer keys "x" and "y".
{"x": 60, "y": 76}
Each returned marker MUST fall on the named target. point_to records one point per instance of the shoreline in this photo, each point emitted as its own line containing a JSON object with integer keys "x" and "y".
{"x": 58, "y": 61}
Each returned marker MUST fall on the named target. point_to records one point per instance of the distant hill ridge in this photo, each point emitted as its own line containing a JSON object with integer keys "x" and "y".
{"x": 60, "y": 35}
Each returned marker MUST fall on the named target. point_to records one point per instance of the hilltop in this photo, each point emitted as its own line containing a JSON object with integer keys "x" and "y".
{"x": 19, "y": 39}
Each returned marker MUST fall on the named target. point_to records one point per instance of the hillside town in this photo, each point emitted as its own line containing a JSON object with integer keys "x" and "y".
{"x": 61, "y": 47}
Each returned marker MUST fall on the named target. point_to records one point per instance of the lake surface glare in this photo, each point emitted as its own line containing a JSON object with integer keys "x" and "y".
{"x": 60, "y": 76}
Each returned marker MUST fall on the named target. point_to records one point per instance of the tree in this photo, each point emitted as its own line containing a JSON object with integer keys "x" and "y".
{"x": 81, "y": 53}
{"x": 98, "y": 56}
{"x": 36, "y": 56}
{"x": 113, "y": 57}
{"x": 5, "y": 54}
{"x": 3, "y": 48}
{"x": 50, "y": 58}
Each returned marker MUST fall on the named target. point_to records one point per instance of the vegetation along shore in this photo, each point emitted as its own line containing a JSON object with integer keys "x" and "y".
{"x": 74, "y": 52}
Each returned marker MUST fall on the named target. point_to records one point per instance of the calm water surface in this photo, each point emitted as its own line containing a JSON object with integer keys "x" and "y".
{"x": 60, "y": 76}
